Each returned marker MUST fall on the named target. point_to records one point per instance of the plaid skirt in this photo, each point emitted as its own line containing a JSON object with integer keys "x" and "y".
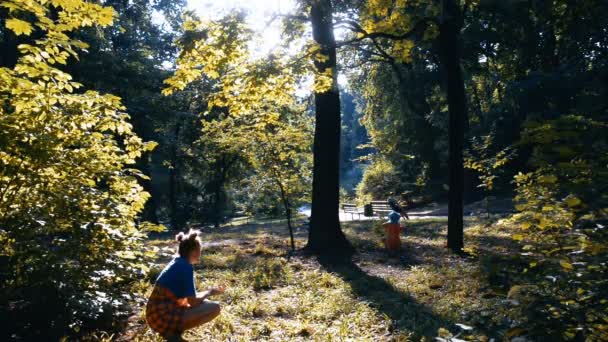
{"x": 163, "y": 314}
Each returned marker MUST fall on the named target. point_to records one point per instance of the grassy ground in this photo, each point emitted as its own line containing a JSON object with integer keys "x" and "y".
{"x": 423, "y": 293}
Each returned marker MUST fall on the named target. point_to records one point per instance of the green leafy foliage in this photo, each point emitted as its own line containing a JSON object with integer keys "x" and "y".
{"x": 233, "y": 137}
{"x": 69, "y": 197}
{"x": 562, "y": 212}
{"x": 485, "y": 162}
{"x": 380, "y": 179}
{"x": 251, "y": 112}
{"x": 488, "y": 164}
{"x": 523, "y": 77}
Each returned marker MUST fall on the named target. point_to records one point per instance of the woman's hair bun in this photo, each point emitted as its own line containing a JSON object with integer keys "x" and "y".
{"x": 188, "y": 242}
{"x": 193, "y": 234}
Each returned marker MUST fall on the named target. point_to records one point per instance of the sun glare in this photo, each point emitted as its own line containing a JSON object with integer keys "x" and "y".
{"x": 259, "y": 17}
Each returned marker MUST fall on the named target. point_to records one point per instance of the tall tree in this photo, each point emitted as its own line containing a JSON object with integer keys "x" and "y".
{"x": 251, "y": 113}
{"x": 395, "y": 30}
{"x": 449, "y": 35}
{"x": 262, "y": 82}
{"x": 325, "y": 233}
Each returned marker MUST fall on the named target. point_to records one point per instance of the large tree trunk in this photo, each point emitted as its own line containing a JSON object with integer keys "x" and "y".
{"x": 325, "y": 233}
{"x": 449, "y": 33}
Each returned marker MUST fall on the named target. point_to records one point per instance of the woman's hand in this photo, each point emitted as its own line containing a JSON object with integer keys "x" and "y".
{"x": 200, "y": 298}
{"x": 213, "y": 291}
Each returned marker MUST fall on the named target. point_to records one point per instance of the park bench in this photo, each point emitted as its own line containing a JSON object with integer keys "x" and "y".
{"x": 351, "y": 209}
{"x": 380, "y": 208}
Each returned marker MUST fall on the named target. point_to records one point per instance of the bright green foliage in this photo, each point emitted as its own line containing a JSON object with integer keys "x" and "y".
{"x": 563, "y": 210}
{"x": 282, "y": 160}
{"x": 396, "y": 130}
{"x": 68, "y": 201}
{"x": 126, "y": 60}
{"x": 484, "y": 164}
{"x": 404, "y": 106}
{"x": 251, "y": 110}
{"x": 217, "y": 50}
{"x": 488, "y": 164}
{"x": 379, "y": 180}
{"x": 398, "y": 19}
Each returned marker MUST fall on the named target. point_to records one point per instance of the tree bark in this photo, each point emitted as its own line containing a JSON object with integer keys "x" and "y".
{"x": 149, "y": 213}
{"x": 217, "y": 203}
{"x": 449, "y": 34}
{"x": 222, "y": 168}
{"x": 325, "y": 235}
{"x": 287, "y": 206}
{"x": 173, "y": 180}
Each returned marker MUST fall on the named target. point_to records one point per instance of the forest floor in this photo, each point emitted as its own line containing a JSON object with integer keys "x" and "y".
{"x": 272, "y": 295}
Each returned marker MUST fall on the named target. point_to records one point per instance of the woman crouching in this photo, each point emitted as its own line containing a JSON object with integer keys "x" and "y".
{"x": 174, "y": 305}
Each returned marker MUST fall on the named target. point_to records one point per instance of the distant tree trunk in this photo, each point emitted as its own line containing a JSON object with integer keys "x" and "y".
{"x": 217, "y": 191}
{"x": 449, "y": 33}
{"x": 325, "y": 234}
{"x": 222, "y": 167}
{"x": 287, "y": 206}
{"x": 173, "y": 179}
{"x": 149, "y": 213}
{"x": 217, "y": 204}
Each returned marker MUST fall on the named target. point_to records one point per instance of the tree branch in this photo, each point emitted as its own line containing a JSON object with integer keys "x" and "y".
{"x": 287, "y": 16}
{"x": 363, "y": 34}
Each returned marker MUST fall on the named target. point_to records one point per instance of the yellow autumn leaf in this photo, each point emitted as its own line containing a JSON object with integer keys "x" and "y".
{"x": 106, "y": 16}
{"x": 520, "y": 207}
{"x": 573, "y": 201}
{"x": 150, "y": 145}
{"x": 566, "y": 265}
{"x": 549, "y": 179}
{"x": 19, "y": 26}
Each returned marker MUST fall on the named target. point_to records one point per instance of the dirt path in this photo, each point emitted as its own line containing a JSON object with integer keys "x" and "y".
{"x": 440, "y": 211}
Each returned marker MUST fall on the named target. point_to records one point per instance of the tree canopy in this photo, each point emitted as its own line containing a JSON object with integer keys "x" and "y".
{"x": 123, "y": 119}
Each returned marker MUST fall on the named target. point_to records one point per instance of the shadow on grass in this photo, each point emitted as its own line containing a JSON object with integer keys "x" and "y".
{"x": 404, "y": 311}
{"x": 427, "y": 228}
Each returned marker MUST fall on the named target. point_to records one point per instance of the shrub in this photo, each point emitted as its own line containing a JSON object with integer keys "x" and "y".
{"x": 68, "y": 199}
{"x": 562, "y": 213}
{"x": 380, "y": 179}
